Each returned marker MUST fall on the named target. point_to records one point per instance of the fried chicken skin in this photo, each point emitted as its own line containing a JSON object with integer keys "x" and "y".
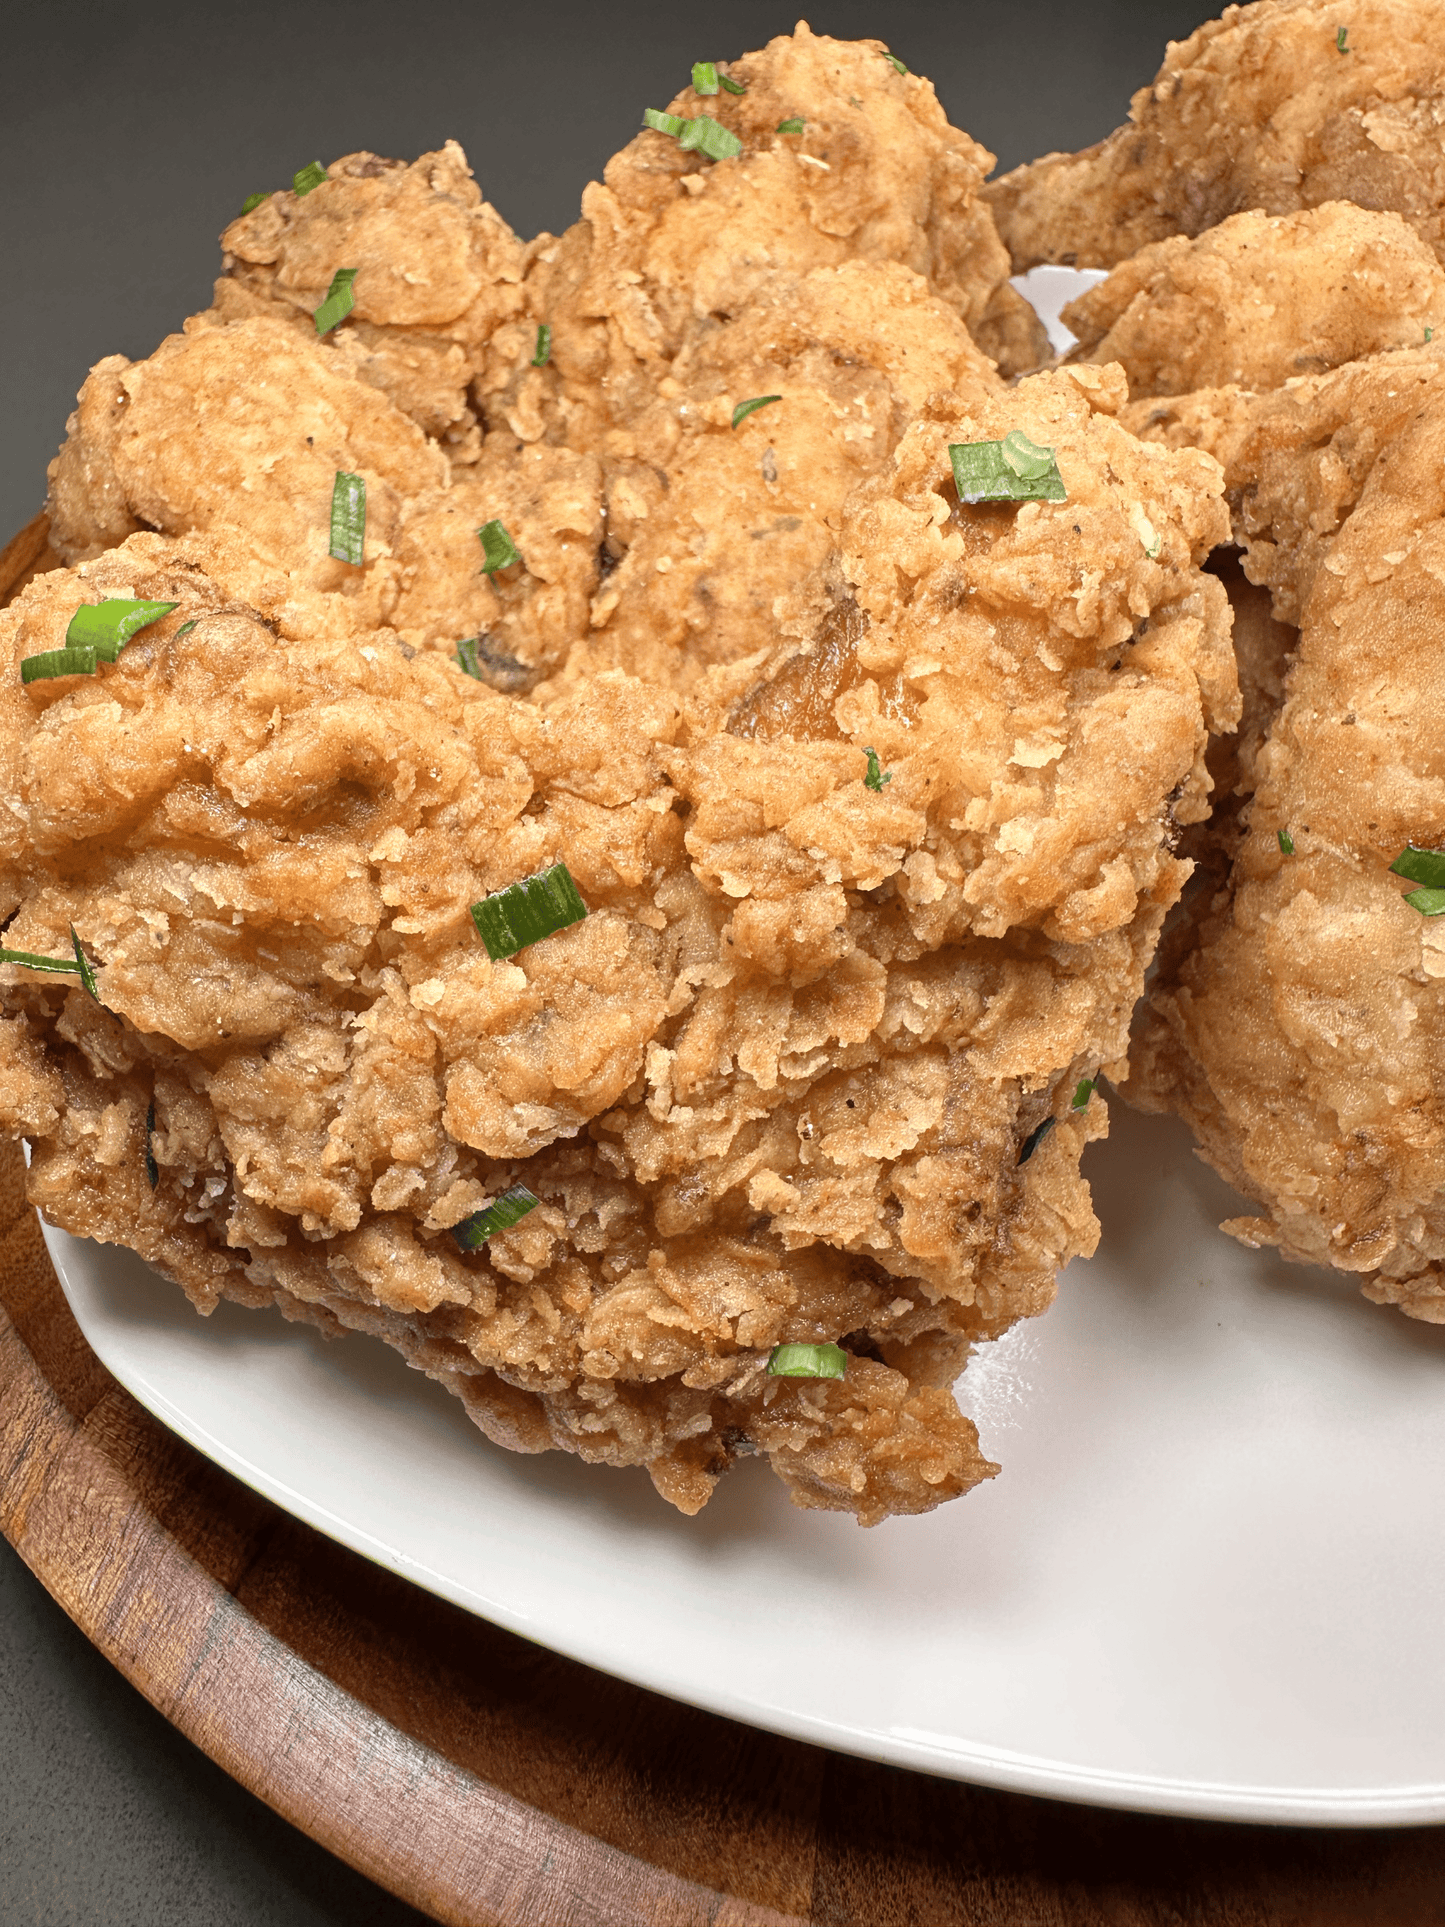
{"x": 1282, "y": 105}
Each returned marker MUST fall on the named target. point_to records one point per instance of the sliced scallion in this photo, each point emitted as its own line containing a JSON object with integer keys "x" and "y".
{"x": 662, "y": 123}
{"x": 106, "y": 627}
{"x": 731, "y": 86}
{"x": 1340, "y": 40}
{"x": 704, "y": 77}
{"x": 808, "y": 1361}
{"x": 308, "y": 177}
{"x": 542, "y": 354}
{"x": 703, "y": 135}
{"x": 185, "y": 628}
{"x": 1430, "y": 903}
{"x": 509, "y": 920}
{"x": 348, "y": 518}
{"x": 1421, "y": 865}
{"x": 1286, "y": 842}
{"x": 338, "y": 303}
{"x": 895, "y": 63}
{"x": 790, "y": 127}
{"x": 58, "y": 662}
{"x": 82, "y": 963}
{"x": 153, "y": 1170}
{"x": 253, "y": 201}
{"x": 1035, "y": 1138}
{"x": 1012, "y": 470}
{"x": 499, "y": 551}
{"x": 498, "y": 1216}
{"x": 746, "y": 408}
{"x": 877, "y": 776}
{"x": 58, "y": 966}
{"x": 1083, "y": 1091}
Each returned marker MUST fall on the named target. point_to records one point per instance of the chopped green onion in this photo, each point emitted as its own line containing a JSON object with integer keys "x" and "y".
{"x": 704, "y": 77}
{"x": 338, "y": 303}
{"x": 1429, "y": 336}
{"x": 746, "y": 408}
{"x": 58, "y": 662}
{"x": 1286, "y": 843}
{"x": 253, "y": 201}
{"x": 508, "y": 920}
{"x": 185, "y": 628}
{"x": 808, "y": 1361}
{"x": 499, "y": 551}
{"x": 60, "y": 966}
{"x": 106, "y": 627}
{"x": 543, "y": 352}
{"x": 308, "y": 177}
{"x": 1083, "y": 1091}
{"x": 153, "y": 1170}
{"x": 790, "y": 127}
{"x": 1340, "y": 46}
{"x": 467, "y": 656}
{"x": 1006, "y": 471}
{"x": 1421, "y": 866}
{"x": 1035, "y": 1138}
{"x": 895, "y": 63}
{"x": 87, "y": 975}
{"x": 498, "y": 1216}
{"x": 494, "y": 667}
{"x": 730, "y": 86}
{"x": 348, "y": 518}
{"x": 877, "y": 776}
{"x": 702, "y": 136}
{"x": 1430, "y": 903}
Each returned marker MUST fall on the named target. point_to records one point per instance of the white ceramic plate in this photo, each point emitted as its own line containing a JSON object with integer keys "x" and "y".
{"x": 1209, "y": 1579}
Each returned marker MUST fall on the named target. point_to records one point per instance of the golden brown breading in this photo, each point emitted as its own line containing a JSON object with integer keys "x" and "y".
{"x": 1303, "y": 1035}
{"x": 1261, "y": 299}
{"x": 774, "y": 1087}
{"x": 1260, "y": 108}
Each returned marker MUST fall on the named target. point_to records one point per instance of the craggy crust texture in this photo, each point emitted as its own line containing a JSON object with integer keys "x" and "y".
{"x": 1261, "y": 299}
{"x": 1258, "y": 109}
{"x": 1304, "y": 1037}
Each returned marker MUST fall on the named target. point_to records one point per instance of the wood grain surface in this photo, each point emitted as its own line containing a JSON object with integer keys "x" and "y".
{"x": 495, "y": 1784}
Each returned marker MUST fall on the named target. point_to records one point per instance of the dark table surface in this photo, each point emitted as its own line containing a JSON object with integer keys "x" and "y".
{"x": 128, "y": 137}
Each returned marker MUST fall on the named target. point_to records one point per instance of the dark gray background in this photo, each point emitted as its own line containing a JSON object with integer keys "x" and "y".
{"x": 129, "y": 135}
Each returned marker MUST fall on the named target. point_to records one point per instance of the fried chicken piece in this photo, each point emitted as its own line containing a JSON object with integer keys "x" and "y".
{"x": 1302, "y": 1034}
{"x": 1282, "y": 105}
{"x": 1261, "y": 299}
{"x": 776, "y": 1086}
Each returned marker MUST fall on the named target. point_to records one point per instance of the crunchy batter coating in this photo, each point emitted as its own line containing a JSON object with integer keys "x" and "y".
{"x": 1261, "y": 108}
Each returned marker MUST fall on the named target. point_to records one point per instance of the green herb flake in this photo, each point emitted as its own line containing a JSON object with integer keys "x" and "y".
{"x": 731, "y": 86}
{"x": 703, "y": 135}
{"x": 746, "y": 408}
{"x": 877, "y": 776}
{"x": 58, "y": 966}
{"x": 1429, "y": 336}
{"x": 338, "y": 303}
{"x": 58, "y": 662}
{"x": 1286, "y": 842}
{"x": 1083, "y": 1091}
{"x": 1340, "y": 40}
{"x": 185, "y": 628}
{"x": 498, "y": 1216}
{"x": 348, "y": 518}
{"x": 662, "y": 123}
{"x": 499, "y": 551}
{"x": 153, "y": 1170}
{"x": 313, "y": 175}
{"x": 1421, "y": 865}
{"x": 808, "y": 1361}
{"x": 704, "y": 77}
{"x": 1013, "y": 470}
{"x": 543, "y": 352}
{"x": 467, "y": 657}
{"x": 106, "y": 627}
{"x": 1035, "y": 1138}
{"x": 508, "y": 920}
{"x": 790, "y": 126}
{"x": 82, "y": 964}
{"x": 1430, "y": 903}
{"x": 253, "y": 201}
{"x": 895, "y": 63}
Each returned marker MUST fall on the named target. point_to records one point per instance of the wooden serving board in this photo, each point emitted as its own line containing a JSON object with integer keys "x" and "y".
{"x": 492, "y": 1783}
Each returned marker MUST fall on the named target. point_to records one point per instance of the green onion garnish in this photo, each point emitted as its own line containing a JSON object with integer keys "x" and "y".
{"x": 60, "y": 966}
{"x": 702, "y": 136}
{"x": 106, "y": 627}
{"x": 544, "y": 346}
{"x": 790, "y": 127}
{"x": 494, "y": 667}
{"x": 877, "y": 776}
{"x": 1426, "y": 867}
{"x": 1340, "y": 46}
{"x": 704, "y": 77}
{"x": 153, "y": 1170}
{"x": 730, "y": 86}
{"x": 185, "y": 628}
{"x": 87, "y": 975}
{"x": 1430, "y": 903}
{"x": 338, "y": 303}
{"x": 498, "y": 1215}
{"x": 58, "y": 662}
{"x": 746, "y": 408}
{"x": 253, "y": 201}
{"x": 1429, "y": 336}
{"x": 1013, "y": 470}
{"x": 499, "y": 551}
{"x": 808, "y": 1361}
{"x": 1035, "y": 1138}
{"x": 348, "y": 518}
{"x": 1286, "y": 842}
{"x": 1083, "y": 1091}
{"x": 508, "y": 920}
{"x": 895, "y": 63}
{"x": 467, "y": 656}
{"x": 308, "y": 177}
